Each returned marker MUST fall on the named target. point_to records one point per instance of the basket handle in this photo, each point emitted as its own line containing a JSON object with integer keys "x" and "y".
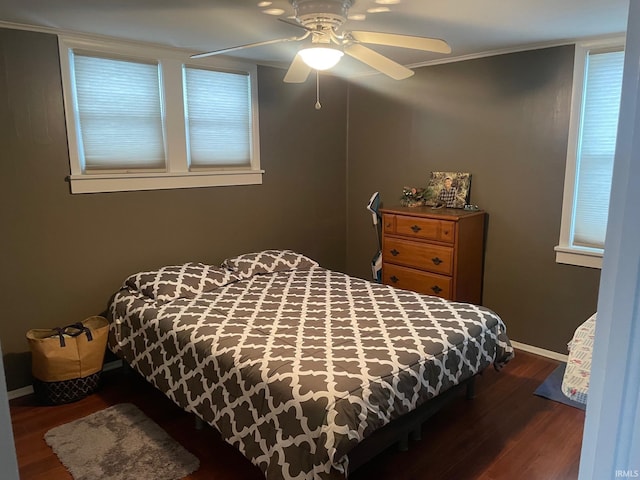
{"x": 79, "y": 329}
{"x": 60, "y": 333}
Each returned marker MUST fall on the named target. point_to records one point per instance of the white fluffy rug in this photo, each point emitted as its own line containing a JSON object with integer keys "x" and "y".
{"x": 119, "y": 443}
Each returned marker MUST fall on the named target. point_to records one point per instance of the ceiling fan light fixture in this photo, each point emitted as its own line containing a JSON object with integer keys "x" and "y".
{"x": 321, "y": 58}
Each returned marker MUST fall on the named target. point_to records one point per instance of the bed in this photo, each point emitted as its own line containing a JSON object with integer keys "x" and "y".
{"x": 575, "y": 381}
{"x": 295, "y": 364}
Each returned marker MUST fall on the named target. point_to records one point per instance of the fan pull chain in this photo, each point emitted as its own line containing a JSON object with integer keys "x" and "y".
{"x": 318, "y": 106}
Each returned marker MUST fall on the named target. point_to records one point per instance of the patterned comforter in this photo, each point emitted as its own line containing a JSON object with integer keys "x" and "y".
{"x": 296, "y": 365}
{"x": 575, "y": 381}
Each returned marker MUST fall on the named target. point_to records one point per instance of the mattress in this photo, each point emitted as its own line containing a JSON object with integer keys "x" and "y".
{"x": 295, "y": 366}
{"x": 575, "y": 382}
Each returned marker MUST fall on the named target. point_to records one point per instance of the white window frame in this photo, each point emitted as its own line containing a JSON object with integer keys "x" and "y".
{"x": 177, "y": 173}
{"x": 566, "y": 252}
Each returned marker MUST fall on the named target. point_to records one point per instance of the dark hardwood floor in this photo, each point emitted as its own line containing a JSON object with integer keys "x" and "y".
{"x": 505, "y": 432}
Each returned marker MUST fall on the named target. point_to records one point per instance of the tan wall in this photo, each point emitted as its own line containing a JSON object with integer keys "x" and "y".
{"x": 63, "y": 255}
{"x": 504, "y": 119}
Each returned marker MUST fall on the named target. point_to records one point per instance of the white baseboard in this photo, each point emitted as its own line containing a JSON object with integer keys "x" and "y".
{"x": 540, "y": 351}
{"x": 20, "y": 392}
{"x": 28, "y": 390}
{"x": 112, "y": 365}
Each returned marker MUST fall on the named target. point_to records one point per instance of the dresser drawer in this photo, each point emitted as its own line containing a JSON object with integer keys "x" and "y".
{"x": 416, "y": 280}
{"x": 425, "y": 228}
{"x": 389, "y": 223}
{"x": 434, "y": 251}
{"x": 423, "y": 256}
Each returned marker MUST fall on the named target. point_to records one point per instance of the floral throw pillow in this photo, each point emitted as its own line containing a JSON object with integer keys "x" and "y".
{"x": 268, "y": 261}
{"x": 180, "y": 281}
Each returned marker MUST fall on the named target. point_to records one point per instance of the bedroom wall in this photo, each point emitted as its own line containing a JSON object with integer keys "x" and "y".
{"x": 505, "y": 120}
{"x": 63, "y": 255}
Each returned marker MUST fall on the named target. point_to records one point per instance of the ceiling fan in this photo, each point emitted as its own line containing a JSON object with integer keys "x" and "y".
{"x": 323, "y": 21}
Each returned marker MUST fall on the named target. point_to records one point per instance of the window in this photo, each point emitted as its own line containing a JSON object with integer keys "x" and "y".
{"x": 597, "y": 84}
{"x": 119, "y": 114}
{"x": 218, "y": 125}
{"x": 141, "y": 118}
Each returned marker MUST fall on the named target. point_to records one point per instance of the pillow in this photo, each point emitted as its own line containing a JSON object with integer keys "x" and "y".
{"x": 180, "y": 281}
{"x": 268, "y": 261}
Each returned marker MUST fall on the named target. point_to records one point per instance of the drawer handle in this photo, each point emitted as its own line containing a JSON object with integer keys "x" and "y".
{"x": 436, "y": 260}
{"x": 394, "y": 279}
{"x": 416, "y": 229}
{"x": 446, "y": 233}
{"x": 436, "y": 289}
{"x": 394, "y": 252}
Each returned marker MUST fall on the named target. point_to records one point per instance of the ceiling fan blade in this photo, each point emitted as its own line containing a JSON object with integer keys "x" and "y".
{"x": 404, "y": 41}
{"x": 249, "y": 45}
{"x": 294, "y": 23}
{"x": 379, "y": 62}
{"x": 298, "y": 71}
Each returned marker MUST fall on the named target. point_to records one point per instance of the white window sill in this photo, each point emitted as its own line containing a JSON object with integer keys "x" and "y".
{"x": 583, "y": 257}
{"x": 97, "y": 183}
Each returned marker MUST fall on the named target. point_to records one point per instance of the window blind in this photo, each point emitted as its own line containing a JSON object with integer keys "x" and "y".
{"x": 218, "y": 117}
{"x": 597, "y": 144}
{"x": 119, "y": 111}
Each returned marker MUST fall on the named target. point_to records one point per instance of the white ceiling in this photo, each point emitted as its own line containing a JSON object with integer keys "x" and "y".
{"x": 471, "y": 27}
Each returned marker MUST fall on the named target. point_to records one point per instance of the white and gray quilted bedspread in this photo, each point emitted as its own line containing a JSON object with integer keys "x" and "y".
{"x": 296, "y": 367}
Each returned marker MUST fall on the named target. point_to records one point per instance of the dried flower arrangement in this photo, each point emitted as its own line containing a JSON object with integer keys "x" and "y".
{"x": 413, "y": 197}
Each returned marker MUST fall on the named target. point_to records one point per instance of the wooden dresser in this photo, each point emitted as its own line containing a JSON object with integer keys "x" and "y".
{"x": 434, "y": 251}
